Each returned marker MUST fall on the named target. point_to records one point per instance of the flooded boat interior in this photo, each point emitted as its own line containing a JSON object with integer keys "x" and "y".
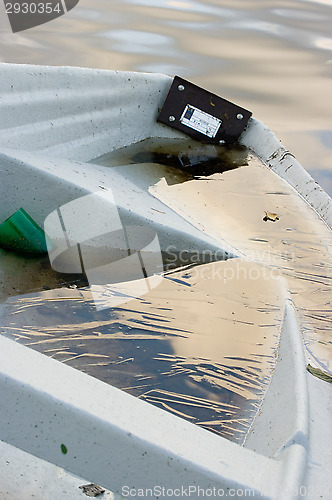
{"x": 201, "y": 344}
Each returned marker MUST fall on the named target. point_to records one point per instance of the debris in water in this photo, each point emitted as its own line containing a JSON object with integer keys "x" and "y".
{"x": 270, "y": 216}
{"x": 22, "y": 234}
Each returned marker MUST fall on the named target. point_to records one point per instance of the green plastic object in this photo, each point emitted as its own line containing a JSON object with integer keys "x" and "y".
{"x": 21, "y": 233}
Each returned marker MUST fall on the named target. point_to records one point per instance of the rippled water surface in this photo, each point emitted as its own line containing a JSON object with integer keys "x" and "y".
{"x": 203, "y": 343}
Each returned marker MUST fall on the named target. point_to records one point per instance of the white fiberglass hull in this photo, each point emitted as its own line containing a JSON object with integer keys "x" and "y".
{"x": 54, "y": 121}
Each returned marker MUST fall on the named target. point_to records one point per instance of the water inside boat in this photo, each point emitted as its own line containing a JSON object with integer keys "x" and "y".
{"x": 203, "y": 343}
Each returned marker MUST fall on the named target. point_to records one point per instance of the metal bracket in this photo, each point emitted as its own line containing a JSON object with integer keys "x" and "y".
{"x": 201, "y": 114}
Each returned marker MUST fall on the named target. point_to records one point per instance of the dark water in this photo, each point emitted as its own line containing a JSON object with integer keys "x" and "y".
{"x": 175, "y": 160}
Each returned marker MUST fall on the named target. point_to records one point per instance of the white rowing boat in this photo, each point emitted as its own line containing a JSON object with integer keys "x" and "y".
{"x": 57, "y": 125}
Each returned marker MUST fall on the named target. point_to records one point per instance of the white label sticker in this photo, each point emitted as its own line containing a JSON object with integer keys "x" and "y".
{"x": 199, "y": 120}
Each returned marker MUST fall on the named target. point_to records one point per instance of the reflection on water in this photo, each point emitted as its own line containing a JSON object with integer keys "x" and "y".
{"x": 203, "y": 343}
{"x": 195, "y": 346}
